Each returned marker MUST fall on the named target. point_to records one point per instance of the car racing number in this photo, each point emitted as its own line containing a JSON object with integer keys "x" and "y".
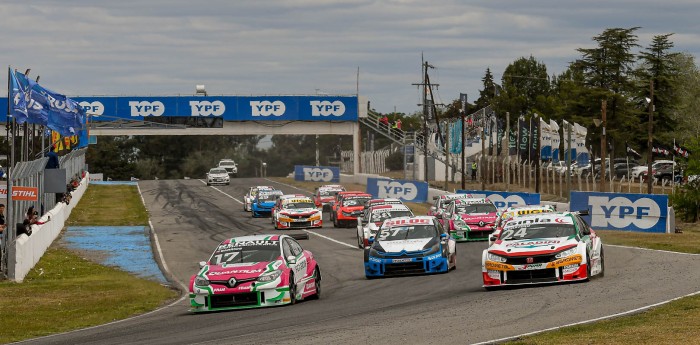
{"x": 389, "y": 233}
{"x": 508, "y": 233}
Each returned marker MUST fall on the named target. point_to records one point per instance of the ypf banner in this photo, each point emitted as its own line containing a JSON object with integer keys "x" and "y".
{"x": 618, "y": 211}
{"x": 409, "y": 191}
{"x": 503, "y": 200}
{"x": 316, "y": 174}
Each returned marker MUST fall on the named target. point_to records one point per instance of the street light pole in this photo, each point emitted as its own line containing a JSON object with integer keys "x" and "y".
{"x": 650, "y": 139}
{"x": 603, "y": 149}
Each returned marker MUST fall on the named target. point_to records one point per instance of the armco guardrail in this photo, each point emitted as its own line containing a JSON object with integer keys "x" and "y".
{"x": 26, "y": 251}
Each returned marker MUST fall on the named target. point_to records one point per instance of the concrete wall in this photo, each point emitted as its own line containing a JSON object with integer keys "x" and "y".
{"x": 27, "y": 250}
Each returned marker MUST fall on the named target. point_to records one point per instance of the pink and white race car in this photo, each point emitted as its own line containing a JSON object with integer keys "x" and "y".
{"x": 255, "y": 271}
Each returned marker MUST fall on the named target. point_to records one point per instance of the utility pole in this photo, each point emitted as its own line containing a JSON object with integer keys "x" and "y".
{"x": 425, "y": 85}
{"x": 568, "y": 159}
{"x": 483, "y": 150}
{"x": 603, "y": 149}
{"x": 464, "y": 176}
{"x": 537, "y": 155}
{"x": 650, "y": 140}
{"x": 507, "y": 149}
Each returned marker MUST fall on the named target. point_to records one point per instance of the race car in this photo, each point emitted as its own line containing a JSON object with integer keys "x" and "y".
{"x": 441, "y": 202}
{"x": 543, "y": 248}
{"x": 264, "y": 201}
{"x": 324, "y": 196}
{"x": 374, "y": 217}
{"x": 217, "y": 176}
{"x": 336, "y": 201}
{"x": 345, "y": 214}
{"x": 250, "y": 196}
{"x": 278, "y": 204}
{"x": 471, "y": 219}
{"x": 410, "y": 245}
{"x": 298, "y": 213}
{"x": 514, "y": 212}
{"x": 255, "y": 271}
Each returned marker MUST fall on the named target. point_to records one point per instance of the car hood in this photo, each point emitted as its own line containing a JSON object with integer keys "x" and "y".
{"x": 404, "y": 245}
{"x": 268, "y": 203}
{"x": 533, "y": 246}
{"x": 239, "y": 271}
{"x": 299, "y": 211}
{"x": 488, "y": 218}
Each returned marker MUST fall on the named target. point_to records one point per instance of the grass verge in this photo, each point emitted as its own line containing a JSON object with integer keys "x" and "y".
{"x": 65, "y": 291}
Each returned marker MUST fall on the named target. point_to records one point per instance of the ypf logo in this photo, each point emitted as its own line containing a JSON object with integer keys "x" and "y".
{"x": 146, "y": 108}
{"x": 502, "y": 203}
{"x": 620, "y": 212}
{"x": 93, "y": 108}
{"x": 318, "y": 174}
{"x": 395, "y": 189}
{"x": 206, "y": 108}
{"x": 267, "y": 108}
{"x": 327, "y": 108}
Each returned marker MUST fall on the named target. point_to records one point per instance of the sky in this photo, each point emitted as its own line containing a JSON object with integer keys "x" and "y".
{"x": 307, "y": 47}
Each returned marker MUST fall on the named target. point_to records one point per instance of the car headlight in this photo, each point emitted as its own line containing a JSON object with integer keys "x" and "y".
{"x": 565, "y": 253}
{"x": 268, "y": 277}
{"x": 201, "y": 281}
{"x": 494, "y": 257}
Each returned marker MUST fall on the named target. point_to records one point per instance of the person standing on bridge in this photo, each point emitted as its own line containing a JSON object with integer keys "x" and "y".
{"x": 474, "y": 171}
{"x": 385, "y": 121}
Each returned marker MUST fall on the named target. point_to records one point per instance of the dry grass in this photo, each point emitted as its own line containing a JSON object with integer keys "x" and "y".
{"x": 109, "y": 205}
{"x": 687, "y": 242}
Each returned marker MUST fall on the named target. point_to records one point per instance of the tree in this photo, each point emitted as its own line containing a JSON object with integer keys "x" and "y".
{"x": 488, "y": 93}
{"x": 686, "y": 113}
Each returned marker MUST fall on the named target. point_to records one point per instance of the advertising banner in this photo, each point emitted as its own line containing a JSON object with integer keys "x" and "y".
{"x": 620, "y": 211}
{"x": 503, "y": 200}
{"x": 316, "y": 174}
{"x": 405, "y": 190}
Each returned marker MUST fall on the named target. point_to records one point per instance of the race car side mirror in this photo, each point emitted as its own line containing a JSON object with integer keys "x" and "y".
{"x": 370, "y": 240}
{"x": 291, "y": 260}
{"x": 492, "y": 239}
{"x": 443, "y": 236}
{"x": 202, "y": 264}
{"x": 435, "y": 197}
{"x": 583, "y": 213}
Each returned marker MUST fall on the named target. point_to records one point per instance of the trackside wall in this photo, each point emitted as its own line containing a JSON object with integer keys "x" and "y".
{"x": 27, "y": 250}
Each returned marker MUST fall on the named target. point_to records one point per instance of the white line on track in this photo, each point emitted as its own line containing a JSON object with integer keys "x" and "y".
{"x": 224, "y": 193}
{"x": 332, "y": 240}
{"x": 633, "y": 311}
{"x": 651, "y": 250}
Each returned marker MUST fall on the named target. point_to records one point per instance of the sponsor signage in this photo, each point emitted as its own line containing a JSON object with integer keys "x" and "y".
{"x": 407, "y": 191}
{"x": 503, "y": 200}
{"x": 20, "y": 193}
{"x": 619, "y": 211}
{"x": 316, "y": 174}
{"x": 230, "y": 108}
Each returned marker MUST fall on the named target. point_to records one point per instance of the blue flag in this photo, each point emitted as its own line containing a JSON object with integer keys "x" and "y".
{"x": 37, "y": 105}
{"x": 18, "y": 96}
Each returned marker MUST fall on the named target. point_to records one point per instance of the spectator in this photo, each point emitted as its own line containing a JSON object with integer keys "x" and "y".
{"x": 53, "y": 158}
{"x": 474, "y": 171}
{"x": 2, "y": 218}
{"x": 33, "y": 217}
{"x": 385, "y": 121}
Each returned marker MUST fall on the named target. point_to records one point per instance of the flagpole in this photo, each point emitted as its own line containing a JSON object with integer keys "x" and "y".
{"x": 673, "y": 167}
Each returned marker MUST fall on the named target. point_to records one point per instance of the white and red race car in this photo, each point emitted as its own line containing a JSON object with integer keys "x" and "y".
{"x": 543, "y": 248}
{"x": 298, "y": 213}
{"x": 440, "y": 204}
{"x": 255, "y": 271}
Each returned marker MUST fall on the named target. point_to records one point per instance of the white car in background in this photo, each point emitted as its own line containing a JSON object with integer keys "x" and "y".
{"x": 637, "y": 171}
{"x": 217, "y": 176}
{"x": 230, "y": 166}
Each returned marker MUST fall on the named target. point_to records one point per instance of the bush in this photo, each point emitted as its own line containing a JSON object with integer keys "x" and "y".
{"x": 686, "y": 201}
{"x": 394, "y": 161}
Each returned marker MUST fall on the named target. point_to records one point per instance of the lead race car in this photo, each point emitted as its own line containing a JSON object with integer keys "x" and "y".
{"x": 543, "y": 248}
{"x": 410, "y": 245}
{"x": 255, "y": 271}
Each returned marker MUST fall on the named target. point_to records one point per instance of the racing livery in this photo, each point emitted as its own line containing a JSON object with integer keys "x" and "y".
{"x": 471, "y": 219}
{"x": 336, "y": 202}
{"x": 441, "y": 202}
{"x": 300, "y": 212}
{"x": 543, "y": 248}
{"x": 278, "y": 204}
{"x": 264, "y": 201}
{"x": 326, "y": 194}
{"x": 250, "y": 196}
{"x": 217, "y": 176}
{"x": 517, "y": 211}
{"x": 410, "y": 245}
{"x": 255, "y": 271}
{"x": 374, "y": 217}
{"x": 346, "y": 211}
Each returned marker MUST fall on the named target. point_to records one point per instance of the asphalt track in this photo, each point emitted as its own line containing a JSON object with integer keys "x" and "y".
{"x": 190, "y": 218}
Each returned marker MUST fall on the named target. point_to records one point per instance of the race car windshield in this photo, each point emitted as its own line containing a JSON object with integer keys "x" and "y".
{"x": 265, "y": 197}
{"x": 382, "y": 216}
{"x": 533, "y": 231}
{"x": 296, "y": 205}
{"x": 217, "y": 171}
{"x": 355, "y": 201}
{"x": 245, "y": 254}
{"x": 476, "y": 208}
{"x": 328, "y": 192}
{"x": 407, "y": 232}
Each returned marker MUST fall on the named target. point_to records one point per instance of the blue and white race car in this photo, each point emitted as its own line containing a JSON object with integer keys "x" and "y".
{"x": 264, "y": 201}
{"x": 410, "y": 245}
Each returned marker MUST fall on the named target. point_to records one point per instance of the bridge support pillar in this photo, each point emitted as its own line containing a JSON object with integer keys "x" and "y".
{"x": 356, "y": 151}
